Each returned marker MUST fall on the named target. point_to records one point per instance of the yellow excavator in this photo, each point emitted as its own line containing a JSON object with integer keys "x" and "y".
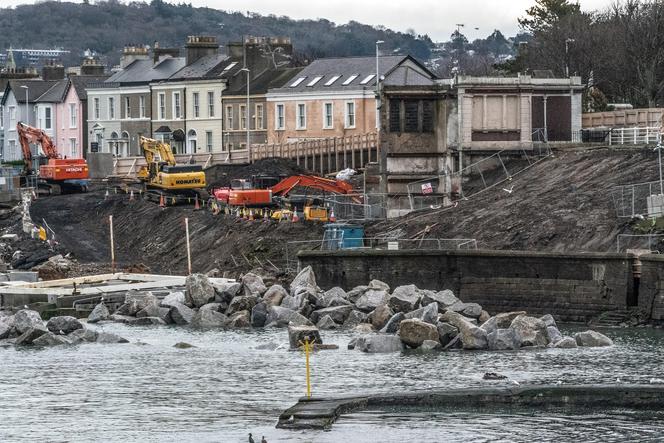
{"x": 167, "y": 181}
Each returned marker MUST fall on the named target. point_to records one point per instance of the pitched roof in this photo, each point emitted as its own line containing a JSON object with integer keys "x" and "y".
{"x": 201, "y": 67}
{"x": 81, "y": 83}
{"x": 145, "y": 71}
{"x": 269, "y": 79}
{"x": 352, "y": 73}
{"x": 407, "y": 76}
{"x": 35, "y": 89}
{"x": 56, "y": 93}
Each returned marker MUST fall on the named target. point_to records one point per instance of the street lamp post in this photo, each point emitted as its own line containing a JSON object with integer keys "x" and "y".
{"x": 247, "y": 113}
{"x": 27, "y": 115}
{"x": 378, "y": 99}
{"x": 567, "y": 42}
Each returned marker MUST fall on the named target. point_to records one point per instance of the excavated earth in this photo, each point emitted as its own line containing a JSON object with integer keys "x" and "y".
{"x": 560, "y": 204}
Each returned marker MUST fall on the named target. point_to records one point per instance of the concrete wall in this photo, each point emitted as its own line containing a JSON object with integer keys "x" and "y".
{"x": 651, "y": 287}
{"x": 100, "y": 164}
{"x": 572, "y": 287}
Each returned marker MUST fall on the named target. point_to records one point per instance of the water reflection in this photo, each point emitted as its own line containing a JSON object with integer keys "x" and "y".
{"x": 224, "y": 388}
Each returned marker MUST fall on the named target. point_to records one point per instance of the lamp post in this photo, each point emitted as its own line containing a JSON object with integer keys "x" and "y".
{"x": 567, "y": 42}
{"x": 378, "y": 99}
{"x": 27, "y": 115}
{"x": 247, "y": 113}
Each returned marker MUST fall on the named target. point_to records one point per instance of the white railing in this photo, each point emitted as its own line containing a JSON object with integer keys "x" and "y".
{"x": 635, "y": 136}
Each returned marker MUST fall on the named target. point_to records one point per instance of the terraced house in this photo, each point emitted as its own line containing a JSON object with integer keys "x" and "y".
{"x": 333, "y": 97}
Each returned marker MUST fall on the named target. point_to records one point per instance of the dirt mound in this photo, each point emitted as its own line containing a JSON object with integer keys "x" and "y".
{"x": 146, "y": 235}
{"x": 560, "y": 204}
{"x": 221, "y": 175}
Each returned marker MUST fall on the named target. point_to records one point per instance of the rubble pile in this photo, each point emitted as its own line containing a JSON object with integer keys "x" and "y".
{"x": 387, "y": 320}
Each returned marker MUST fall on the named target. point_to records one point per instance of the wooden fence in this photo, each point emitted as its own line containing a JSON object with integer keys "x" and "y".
{"x": 325, "y": 154}
{"x": 322, "y": 155}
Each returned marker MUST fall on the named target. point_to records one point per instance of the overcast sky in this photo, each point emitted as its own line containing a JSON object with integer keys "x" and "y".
{"x": 434, "y": 17}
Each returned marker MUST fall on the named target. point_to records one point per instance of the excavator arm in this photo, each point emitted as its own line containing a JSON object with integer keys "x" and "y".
{"x": 285, "y": 186}
{"x": 26, "y": 135}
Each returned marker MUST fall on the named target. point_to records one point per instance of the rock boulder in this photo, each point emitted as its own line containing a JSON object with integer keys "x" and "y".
{"x": 298, "y": 334}
{"x": 413, "y": 332}
{"x": 531, "y": 330}
{"x": 281, "y": 317}
{"x": 199, "y": 290}
{"x": 274, "y": 295}
{"x": 371, "y": 299}
{"x": 472, "y": 337}
{"x": 208, "y": 319}
{"x": 503, "y": 339}
{"x": 592, "y": 339}
{"x": 378, "y": 343}
{"x": 27, "y": 319}
{"x": 405, "y": 299}
{"x": 253, "y": 284}
{"x": 380, "y": 316}
{"x": 392, "y": 325}
{"x": 99, "y": 313}
{"x": 63, "y": 325}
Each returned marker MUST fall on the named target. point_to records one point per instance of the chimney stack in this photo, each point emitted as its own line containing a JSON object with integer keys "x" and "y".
{"x": 199, "y": 46}
{"x": 92, "y": 66}
{"x": 53, "y": 71}
{"x": 130, "y": 53}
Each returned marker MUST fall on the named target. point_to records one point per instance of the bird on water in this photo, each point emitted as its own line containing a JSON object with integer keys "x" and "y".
{"x": 251, "y": 439}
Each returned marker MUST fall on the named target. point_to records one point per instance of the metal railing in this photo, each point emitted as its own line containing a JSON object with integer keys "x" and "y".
{"x": 491, "y": 171}
{"x": 632, "y": 200}
{"x": 634, "y": 136}
{"x": 651, "y": 242}
{"x": 292, "y": 248}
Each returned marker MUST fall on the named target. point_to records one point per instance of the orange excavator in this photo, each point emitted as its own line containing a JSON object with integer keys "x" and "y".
{"x": 245, "y": 193}
{"x": 269, "y": 196}
{"x": 58, "y": 175}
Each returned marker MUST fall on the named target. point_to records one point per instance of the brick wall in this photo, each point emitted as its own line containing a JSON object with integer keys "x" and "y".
{"x": 572, "y": 287}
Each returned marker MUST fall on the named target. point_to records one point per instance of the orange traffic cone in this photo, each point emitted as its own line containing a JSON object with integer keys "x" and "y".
{"x": 333, "y": 218}
{"x": 162, "y": 202}
{"x": 197, "y": 206}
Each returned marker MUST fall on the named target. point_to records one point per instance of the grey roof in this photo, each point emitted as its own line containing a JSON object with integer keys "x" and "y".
{"x": 56, "y": 93}
{"x": 346, "y": 68}
{"x": 35, "y": 89}
{"x": 407, "y": 76}
{"x": 82, "y": 82}
{"x": 201, "y": 67}
{"x": 269, "y": 79}
{"x": 145, "y": 71}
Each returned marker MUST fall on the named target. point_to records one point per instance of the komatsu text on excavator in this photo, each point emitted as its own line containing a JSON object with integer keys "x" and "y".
{"x": 163, "y": 177}
{"x": 58, "y": 175}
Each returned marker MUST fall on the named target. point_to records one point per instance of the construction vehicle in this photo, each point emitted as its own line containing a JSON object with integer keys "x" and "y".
{"x": 58, "y": 175}
{"x": 164, "y": 179}
{"x": 254, "y": 193}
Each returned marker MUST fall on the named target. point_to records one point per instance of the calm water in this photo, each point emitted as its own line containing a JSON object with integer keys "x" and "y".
{"x": 225, "y": 388}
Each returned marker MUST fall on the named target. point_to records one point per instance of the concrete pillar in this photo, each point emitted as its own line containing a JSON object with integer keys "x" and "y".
{"x": 526, "y": 118}
{"x": 576, "y": 113}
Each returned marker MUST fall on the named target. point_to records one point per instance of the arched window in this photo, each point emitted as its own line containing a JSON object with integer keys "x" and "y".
{"x": 124, "y": 144}
{"x": 113, "y": 144}
{"x": 191, "y": 141}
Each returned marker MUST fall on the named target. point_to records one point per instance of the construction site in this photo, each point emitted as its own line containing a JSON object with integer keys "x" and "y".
{"x": 563, "y": 203}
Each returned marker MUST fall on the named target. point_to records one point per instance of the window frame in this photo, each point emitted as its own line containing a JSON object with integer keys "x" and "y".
{"x": 73, "y": 116}
{"x": 96, "y": 108}
{"x": 347, "y": 115}
{"x": 196, "y": 104}
{"x": 210, "y": 97}
{"x": 325, "y": 115}
{"x": 73, "y": 147}
{"x": 300, "y": 116}
{"x": 279, "y": 109}
{"x": 259, "y": 116}
{"x": 111, "y": 108}
{"x": 229, "y": 117}
{"x": 161, "y": 103}
{"x": 177, "y": 105}
{"x": 141, "y": 106}
{"x": 127, "y": 107}
{"x": 48, "y": 119}
{"x": 243, "y": 117}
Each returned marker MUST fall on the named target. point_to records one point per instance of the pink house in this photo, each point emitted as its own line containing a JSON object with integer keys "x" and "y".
{"x": 62, "y": 114}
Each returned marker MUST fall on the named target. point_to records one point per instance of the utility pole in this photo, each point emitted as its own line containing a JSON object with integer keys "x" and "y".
{"x": 247, "y": 112}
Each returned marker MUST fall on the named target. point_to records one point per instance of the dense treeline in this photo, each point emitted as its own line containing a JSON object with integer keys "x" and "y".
{"x": 106, "y": 26}
{"x": 618, "y": 51}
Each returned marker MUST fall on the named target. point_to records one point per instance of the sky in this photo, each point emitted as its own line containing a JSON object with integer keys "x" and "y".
{"x": 437, "y": 18}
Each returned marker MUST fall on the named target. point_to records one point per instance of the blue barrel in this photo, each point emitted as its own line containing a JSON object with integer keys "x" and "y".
{"x": 343, "y": 236}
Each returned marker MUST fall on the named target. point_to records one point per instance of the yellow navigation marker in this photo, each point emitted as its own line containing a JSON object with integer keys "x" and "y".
{"x": 307, "y": 347}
